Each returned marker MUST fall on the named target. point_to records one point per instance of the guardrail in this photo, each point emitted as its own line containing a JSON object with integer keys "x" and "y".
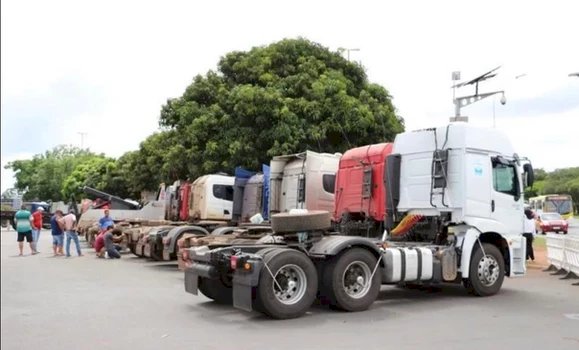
{"x": 563, "y": 256}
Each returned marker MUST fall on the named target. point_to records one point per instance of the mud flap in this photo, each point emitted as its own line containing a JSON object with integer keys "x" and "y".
{"x": 243, "y": 284}
{"x": 518, "y": 253}
{"x": 191, "y": 282}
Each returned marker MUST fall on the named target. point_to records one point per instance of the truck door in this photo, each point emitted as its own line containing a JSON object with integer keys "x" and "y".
{"x": 506, "y": 200}
{"x": 220, "y": 205}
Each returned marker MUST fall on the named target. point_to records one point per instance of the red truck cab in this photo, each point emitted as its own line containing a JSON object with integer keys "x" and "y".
{"x": 360, "y": 194}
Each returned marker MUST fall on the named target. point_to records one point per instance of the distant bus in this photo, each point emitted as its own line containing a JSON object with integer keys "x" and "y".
{"x": 553, "y": 203}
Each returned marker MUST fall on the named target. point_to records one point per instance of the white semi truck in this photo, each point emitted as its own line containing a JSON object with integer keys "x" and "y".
{"x": 461, "y": 186}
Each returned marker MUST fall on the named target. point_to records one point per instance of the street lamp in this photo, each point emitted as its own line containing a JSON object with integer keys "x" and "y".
{"x": 82, "y": 135}
{"x": 464, "y": 101}
{"x": 341, "y": 49}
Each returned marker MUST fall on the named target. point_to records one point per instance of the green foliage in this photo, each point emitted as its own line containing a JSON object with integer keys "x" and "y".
{"x": 162, "y": 157}
{"x": 97, "y": 172}
{"x": 43, "y": 175}
{"x": 284, "y": 98}
{"x": 540, "y": 174}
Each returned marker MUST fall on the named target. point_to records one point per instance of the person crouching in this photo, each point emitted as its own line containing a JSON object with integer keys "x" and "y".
{"x": 111, "y": 248}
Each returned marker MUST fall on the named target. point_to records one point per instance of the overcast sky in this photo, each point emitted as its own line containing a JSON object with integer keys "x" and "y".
{"x": 106, "y": 67}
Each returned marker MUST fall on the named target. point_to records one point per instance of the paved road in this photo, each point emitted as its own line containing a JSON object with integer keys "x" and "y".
{"x": 87, "y": 303}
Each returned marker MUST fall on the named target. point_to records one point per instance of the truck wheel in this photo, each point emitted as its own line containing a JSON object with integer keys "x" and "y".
{"x": 216, "y": 290}
{"x": 312, "y": 220}
{"x": 486, "y": 273}
{"x": 156, "y": 256}
{"x": 346, "y": 281}
{"x": 292, "y": 289}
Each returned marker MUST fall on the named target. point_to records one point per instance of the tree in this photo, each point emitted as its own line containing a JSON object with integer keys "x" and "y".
{"x": 161, "y": 157}
{"x": 98, "y": 172}
{"x": 284, "y": 98}
{"x": 42, "y": 177}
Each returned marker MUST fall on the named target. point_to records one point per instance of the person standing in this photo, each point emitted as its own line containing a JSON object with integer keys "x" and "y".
{"x": 529, "y": 233}
{"x": 105, "y": 221}
{"x": 69, "y": 221}
{"x": 23, "y": 221}
{"x": 36, "y": 226}
{"x": 57, "y": 228}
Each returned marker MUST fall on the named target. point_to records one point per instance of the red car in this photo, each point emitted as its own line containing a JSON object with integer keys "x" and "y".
{"x": 552, "y": 222}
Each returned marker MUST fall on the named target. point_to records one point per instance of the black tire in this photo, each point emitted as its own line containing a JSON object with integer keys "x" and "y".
{"x": 216, "y": 290}
{"x": 341, "y": 270}
{"x": 155, "y": 255}
{"x": 289, "y": 266}
{"x": 312, "y": 220}
{"x": 564, "y": 232}
{"x": 492, "y": 284}
{"x": 264, "y": 253}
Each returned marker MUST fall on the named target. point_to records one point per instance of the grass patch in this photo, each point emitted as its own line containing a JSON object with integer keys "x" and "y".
{"x": 540, "y": 242}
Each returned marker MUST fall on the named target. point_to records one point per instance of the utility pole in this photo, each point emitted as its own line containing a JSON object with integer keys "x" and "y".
{"x": 82, "y": 135}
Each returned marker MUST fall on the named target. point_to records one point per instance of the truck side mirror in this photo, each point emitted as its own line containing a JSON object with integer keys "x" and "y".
{"x": 529, "y": 174}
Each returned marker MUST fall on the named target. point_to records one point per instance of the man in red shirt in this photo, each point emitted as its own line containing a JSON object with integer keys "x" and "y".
{"x": 99, "y": 243}
{"x": 36, "y": 226}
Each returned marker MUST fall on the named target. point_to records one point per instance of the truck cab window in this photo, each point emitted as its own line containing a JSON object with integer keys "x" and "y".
{"x": 505, "y": 179}
{"x": 329, "y": 182}
{"x": 223, "y": 192}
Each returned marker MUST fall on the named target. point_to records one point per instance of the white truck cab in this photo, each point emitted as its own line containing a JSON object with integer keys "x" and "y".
{"x": 303, "y": 181}
{"x": 473, "y": 177}
{"x": 211, "y": 198}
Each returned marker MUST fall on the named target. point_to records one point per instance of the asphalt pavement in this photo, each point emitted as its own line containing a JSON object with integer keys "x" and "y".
{"x": 89, "y": 303}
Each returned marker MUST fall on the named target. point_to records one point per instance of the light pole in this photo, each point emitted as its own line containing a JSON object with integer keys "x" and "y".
{"x": 464, "y": 101}
{"x": 341, "y": 49}
{"x": 82, "y": 135}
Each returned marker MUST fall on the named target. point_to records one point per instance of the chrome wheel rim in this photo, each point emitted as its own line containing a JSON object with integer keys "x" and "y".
{"x": 356, "y": 279}
{"x": 488, "y": 270}
{"x": 289, "y": 285}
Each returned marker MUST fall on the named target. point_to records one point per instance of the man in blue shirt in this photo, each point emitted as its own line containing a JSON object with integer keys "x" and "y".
{"x": 23, "y": 220}
{"x": 56, "y": 226}
{"x": 105, "y": 221}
